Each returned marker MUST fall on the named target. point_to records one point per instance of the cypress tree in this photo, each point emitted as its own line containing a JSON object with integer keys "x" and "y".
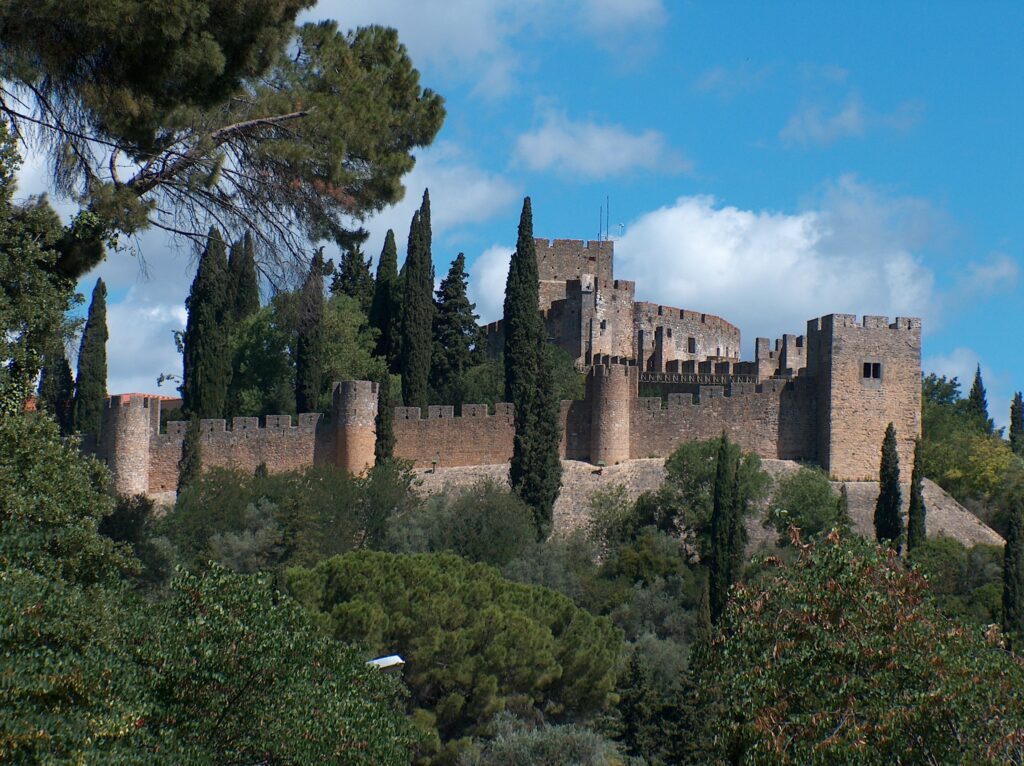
{"x": 243, "y": 283}
{"x": 457, "y": 337}
{"x": 703, "y": 631}
{"x": 721, "y": 562}
{"x": 353, "y": 278}
{"x": 91, "y": 381}
{"x": 1013, "y": 575}
{"x": 888, "y": 524}
{"x": 536, "y": 470}
{"x": 1017, "y": 424}
{"x": 916, "y": 515}
{"x": 57, "y": 388}
{"x": 977, "y": 403}
{"x": 418, "y": 310}
{"x": 385, "y": 308}
{"x": 844, "y": 522}
{"x": 207, "y": 363}
{"x": 384, "y": 447}
{"x": 190, "y": 465}
{"x": 309, "y": 342}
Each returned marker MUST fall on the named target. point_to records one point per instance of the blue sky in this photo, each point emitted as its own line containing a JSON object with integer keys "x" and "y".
{"x": 767, "y": 162}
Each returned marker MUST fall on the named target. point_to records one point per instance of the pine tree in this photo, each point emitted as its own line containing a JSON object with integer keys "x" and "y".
{"x": 91, "y": 381}
{"x": 243, "y": 283}
{"x": 916, "y": 515}
{"x": 353, "y": 278}
{"x": 385, "y": 309}
{"x": 721, "y": 562}
{"x": 1017, "y": 425}
{"x": 190, "y": 465}
{"x": 1013, "y": 575}
{"x": 57, "y": 388}
{"x": 977, "y": 403}
{"x": 384, "y": 447}
{"x": 844, "y": 522}
{"x": 888, "y": 522}
{"x": 418, "y": 310}
{"x": 207, "y": 363}
{"x": 309, "y": 342}
{"x": 457, "y": 337}
{"x": 536, "y": 470}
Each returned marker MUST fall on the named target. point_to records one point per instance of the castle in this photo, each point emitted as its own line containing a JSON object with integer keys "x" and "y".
{"x": 824, "y": 397}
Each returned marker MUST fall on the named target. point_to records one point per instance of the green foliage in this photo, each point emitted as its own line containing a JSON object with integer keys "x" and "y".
{"x": 728, "y": 538}
{"x": 353, "y": 278}
{"x": 385, "y": 313}
{"x": 474, "y": 643}
{"x": 133, "y": 522}
{"x": 1013, "y": 576}
{"x": 91, "y": 381}
{"x": 844, "y": 522}
{"x": 417, "y": 310}
{"x": 243, "y": 282}
{"x": 977, "y": 403}
{"x": 840, "y": 658}
{"x": 513, "y": 741}
{"x": 1017, "y": 424}
{"x": 262, "y": 372}
{"x": 309, "y": 340}
{"x": 348, "y": 342}
{"x": 804, "y": 500}
{"x": 917, "y": 530}
{"x": 384, "y": 422}
{"x": 57, "y": 388}
{"x": 888, "y": 518}
{"x": 613, "y": 520}
{"x": 207, "y": 363}
{"x": 961, "y": 579}
{"x": 485, "y": 523}
{"x": 190, "y": 464}
{"x": 457, "y": 338}
{"x": 484, "y": 383}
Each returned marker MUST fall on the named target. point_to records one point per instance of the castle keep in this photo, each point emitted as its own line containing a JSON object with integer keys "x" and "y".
{"x": 657, "y": 376}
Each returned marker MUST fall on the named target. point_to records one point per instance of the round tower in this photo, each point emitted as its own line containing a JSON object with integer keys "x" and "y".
{"x": 612, "y": 390}
{"x": 354, "y": 414}
{"x": 125, "y": 437}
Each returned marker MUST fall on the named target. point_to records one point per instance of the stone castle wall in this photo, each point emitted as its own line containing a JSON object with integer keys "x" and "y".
{"x": 562, "y": 260}
{"x": 666, "y": 334}
{"x": 475, "y": 437}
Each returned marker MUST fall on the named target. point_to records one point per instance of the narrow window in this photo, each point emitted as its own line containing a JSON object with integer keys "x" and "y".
{"x": 670, "y": 332}
{"x": 604, "y": 324}
{"x": 867, "y": 369}
{"x": 691, "y": 345}
{"x": 876, "y": 370}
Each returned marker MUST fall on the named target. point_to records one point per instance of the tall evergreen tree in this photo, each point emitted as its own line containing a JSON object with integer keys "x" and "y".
{"x": 309, "y": 342}
{"x": 384, "y": 447}
{"x": 418, "y": 310}
{"x": 207, "y": 363}
{"x": 977, "y": 403}
{"x": 844, "y": 523}
{"x": 243, "y": 282}
{"x": 536, "y": 470}
{"x": 385, "y": 308}
{"x": 57, "y": 388}
{"x": 916, "y": 515}
{"x": 190, "y": 464}
{"x": 888, "y": 521}
{"x": 1013, "y": 575}
{"x": 457, "y": 337}
{"x": 353, "y": 278}
{"x": 1017, "y": 424}
{"x": 703, "y": 631}
{"x": 91, "y": 381}
{"x": 721, "y": 562}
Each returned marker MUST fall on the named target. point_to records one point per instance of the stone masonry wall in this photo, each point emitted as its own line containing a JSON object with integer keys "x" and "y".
{"x": 711, "y": 336}
{"x": 561, "y": 260}
{"x": 476, "y": 437}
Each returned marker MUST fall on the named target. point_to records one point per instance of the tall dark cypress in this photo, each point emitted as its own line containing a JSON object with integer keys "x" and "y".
{"x": 1013, "y": 576}
{"x": 207, "y": 364}
{"x": 703, "y": 631}
{"x": 57, "y": 388}
{"x": 243, "y": 282}
{"x": 457, "y": 337}
{"x": 309, "y": 342}
{"x": 353, "y": 278}
{"x": 721, "y": 562}
{"x": 384, "y": 446}
{"x": 418, "y": 310}
{"x": 91, "y": 381}
{"x": 888, "y": 521}
{"x": 916, "y": 515}
{"x": 535, "y": 472}
{"x": 977, "y": 403}
{"x": 1017, "y": 424}
{"x": 385, "y": 308}
{"x": 844, "y": 523}
{"x": 190, "y": 464}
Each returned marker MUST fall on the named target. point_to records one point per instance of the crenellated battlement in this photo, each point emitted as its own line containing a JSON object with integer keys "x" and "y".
{"x": 867, "y": 322}
{"x": 249, "y": 427}
{"x": 502, "y": 410}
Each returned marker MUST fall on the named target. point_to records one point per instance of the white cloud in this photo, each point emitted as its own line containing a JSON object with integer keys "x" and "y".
{"x": 727, "y": 83}
{"x": 997, "y": 273}
{"x": 814, "y": 124}
{"x": 488, "y": 274}
{"x": 593, "y": 151}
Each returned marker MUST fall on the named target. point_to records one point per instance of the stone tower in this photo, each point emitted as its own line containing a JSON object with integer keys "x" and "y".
{"x": 611, "y": 391}
{"x": 867, "y": 375}
{"x": 128, "y": 426}
{"x": 353, "y": 414}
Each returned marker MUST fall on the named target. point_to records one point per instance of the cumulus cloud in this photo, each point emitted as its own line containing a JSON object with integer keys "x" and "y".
{"x": 488, "y": 274}
{"x": 593, "y": 151}
{"x": 814, "y": 124}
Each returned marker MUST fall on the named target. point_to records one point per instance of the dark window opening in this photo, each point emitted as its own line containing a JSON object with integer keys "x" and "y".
{"x": 691, "y": 345}
{"x": 604, "y": 324}
{"x": 873, "y": 370}
{"x": 670, "y": 332}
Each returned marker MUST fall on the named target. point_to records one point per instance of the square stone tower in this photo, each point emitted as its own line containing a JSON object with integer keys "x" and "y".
{"x": 867, "y": 375}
